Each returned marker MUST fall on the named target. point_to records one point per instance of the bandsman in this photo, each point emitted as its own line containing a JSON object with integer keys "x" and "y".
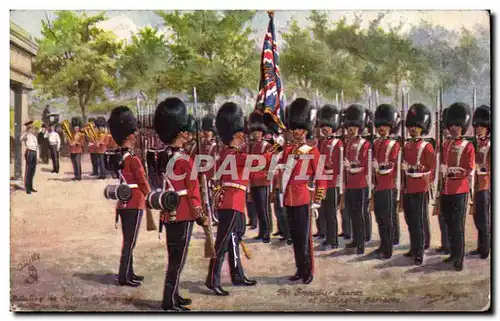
{"x": 332, "y": 149}
{"x": 111, "y": 156}
{"x": 482, "y": 193}
{"x": 76, "y": 147}
{"x": 123, "y": 127}
{"x": 300, "y": 205}
{"x": 101, "y": 146}
{"x": 259, "y": 183}
{"x": 92, "y": 152}
{"x": 173, "y": 125}
{"x": 418, "y": 166}
{"x": 356, "y": 164}
{"x": 457, "y": 165}
{"x": 385, "y": 158}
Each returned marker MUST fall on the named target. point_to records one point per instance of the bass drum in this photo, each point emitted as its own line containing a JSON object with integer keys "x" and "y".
{"x": 162, "y": 201}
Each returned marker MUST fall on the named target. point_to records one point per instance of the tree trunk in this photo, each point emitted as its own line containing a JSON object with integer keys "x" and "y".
{"x": 83, "y": 109}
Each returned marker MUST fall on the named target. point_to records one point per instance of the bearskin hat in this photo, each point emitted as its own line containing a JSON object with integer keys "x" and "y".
{"x": 170, "y": 119}
{"x": 256, "y": 123}
{"x": 229, "y": 121}
{"x": 355, "y": 115}
{"x": 300, "y": 115}
{"x": 76, "y": 122}
{"x": 386, "y": 115}
{"x": 419, "y": 116}
{"x": 329, "y": 115}
{"x": 208, "y": 123}
{"x": 91, "y": 120}
{"x": 121, "y": 123}
{"x": 459, "y": 114}
{"x": 482, "y": 117}
{"x": 100, "y": 122}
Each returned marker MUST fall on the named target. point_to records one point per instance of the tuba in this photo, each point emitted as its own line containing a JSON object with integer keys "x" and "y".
{"x": 67, "y": 130}
{"x": 91, "y": 132}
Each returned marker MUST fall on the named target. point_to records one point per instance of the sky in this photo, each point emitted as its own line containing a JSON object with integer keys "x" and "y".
{"x": 125, "y": 22}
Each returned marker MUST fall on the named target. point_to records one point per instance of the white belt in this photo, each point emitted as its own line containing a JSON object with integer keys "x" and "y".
{"x": 235, "y": 185}
{"x": 132, "y": 185}
{"x": 329, "y": 171}
{"x": 417, "y": 175}
{"x": 182, "y": 193}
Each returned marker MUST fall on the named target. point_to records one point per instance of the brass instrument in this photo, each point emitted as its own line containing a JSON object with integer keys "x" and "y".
{"x": 91, "y": 132}
{"x": 67, "y": 130}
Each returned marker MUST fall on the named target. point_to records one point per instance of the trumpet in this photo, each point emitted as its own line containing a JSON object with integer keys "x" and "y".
{"x": 67, "y": 130}
{"x": 91, "y": 132}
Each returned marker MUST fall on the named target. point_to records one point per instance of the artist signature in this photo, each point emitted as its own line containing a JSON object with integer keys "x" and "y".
{"x": 32, "y": 271}
{"x": 340, "y": 297}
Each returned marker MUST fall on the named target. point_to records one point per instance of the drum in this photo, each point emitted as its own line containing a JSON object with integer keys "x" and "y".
{"x": 162, "y": 200}
{"x": 120, "y": 192}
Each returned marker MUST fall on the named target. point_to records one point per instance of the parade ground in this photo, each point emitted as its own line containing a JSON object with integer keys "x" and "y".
{"x": 65, "y": 253}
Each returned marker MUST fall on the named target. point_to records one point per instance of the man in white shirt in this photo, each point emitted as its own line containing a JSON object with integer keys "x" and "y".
{"x": 31, "y": 153}
{"x": 54, "y": 146}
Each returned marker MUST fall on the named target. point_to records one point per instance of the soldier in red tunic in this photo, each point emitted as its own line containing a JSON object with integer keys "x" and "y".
{"x": 92, "y": 152}
{"x": 172, "y": 124}
{"x": 76, "y": 148}
{"x": 395, "y": 192}
{"x": 101, "y": 146}
{"x": 230, "y": 199}
{"x": 356, "y": 164}
{"x": 482, "y": 125}
{"x": 418, "y": 165}
{"x": 457, "y": 165}
{"x": 123, "y": 126}
{"x": 332, "y": 149}
{"x": 302, "y": 168}
{"x": 385, "y": 158}
{"x": 259, "y": 183}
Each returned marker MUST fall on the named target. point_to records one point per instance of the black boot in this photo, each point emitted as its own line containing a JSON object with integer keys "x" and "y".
{"x": 176, "y": 308}
{"x": 350, "y": 245}
{"x": 129, "y": 283}
{"x": 183, "y": 301}
{"x": 137, "y": 277}
{"x": 245, "y": 282}
{"x": 295, "y": 277}
{"x": 217, "y": 290}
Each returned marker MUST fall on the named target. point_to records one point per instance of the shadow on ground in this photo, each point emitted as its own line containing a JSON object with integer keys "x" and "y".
{"x": 106, "y": 279}
{"x": 396, "y": 261}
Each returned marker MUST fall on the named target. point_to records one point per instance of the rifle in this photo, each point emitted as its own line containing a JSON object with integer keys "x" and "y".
{"x": 439, "y": 152}
{"x": 342, "y": 171}
{"x": 473, "y": 175}
{"x": 209, "y": 238}
{"x": 402, "y": 175}
{"x": 371, "y": 178}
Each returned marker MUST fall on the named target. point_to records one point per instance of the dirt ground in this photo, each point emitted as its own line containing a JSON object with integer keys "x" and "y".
{"x": 65, "y": 253}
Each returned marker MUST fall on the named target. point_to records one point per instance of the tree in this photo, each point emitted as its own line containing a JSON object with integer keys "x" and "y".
{"x": 76, "y": 59}
{"x": 145, "y": 64}
{"x": 213, "y": 52}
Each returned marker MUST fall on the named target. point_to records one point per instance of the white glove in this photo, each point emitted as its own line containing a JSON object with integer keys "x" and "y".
{"x": 375, "y": 164}
{"x": 443, "y": 168}
{"x": 347, "y": 164}
{"x": 404, "y": 166}
{"x": 315, "y": 207}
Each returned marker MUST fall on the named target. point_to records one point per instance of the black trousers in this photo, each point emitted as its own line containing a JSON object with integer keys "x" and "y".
{"x": 329, "y": 212}
{"x": 252, "y": 213}
{"x": 93, "y": 160}
{"x": 445, "y": 239}
{"x": 230, "y": 230}
{"x": 427, "y": 225}
{"x": 101, "y": 166}
{"x": 414, "y": 209}
{"x": 30, "y": 158}
{"x": 44, "y": 151}
{"x": 76, "y": 160}
{"x": 454, "y": 208}
{"x": 355, "y": 200}
{"x": 131, "y": 222}
{"x": 279, "y": 212}
{"x": 54, "y": 155}
{"x": 367, "y": 215}
{"x": 346, "y": 221}
{"x": 395, "y": 217}
{"x": 384, "y": 204}
{"x": 260, "y": 197}
{"x": 482, "y": 221}
{"x": 178, "y": 237}
{"x": 299, "y": 221}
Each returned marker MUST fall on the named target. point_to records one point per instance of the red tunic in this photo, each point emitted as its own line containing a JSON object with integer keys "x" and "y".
{"x": 385, "y": 152}
{"x": 457, "y": 153}
{"x": 79, "y": 139}
{"x": 209, "y": 148}
{"x": 296, "y": 191}
{"x": 189, "y": 207}
{"x": 133, "y": 173}
{"x": 102, "y": 143}
{"x": 260, "y": 148}
{"x": 424, "y": 167}
{"x": 330, "y": 148}
{"x": 357, "y": 155}
{"x": 483, "y": 160}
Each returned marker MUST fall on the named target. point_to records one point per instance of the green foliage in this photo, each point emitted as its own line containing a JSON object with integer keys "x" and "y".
{"x": 106, "y": 106}
{"x": 145, "y": 64}
{"x": 76, "y": 59}
{"x": 211, "y": 51}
